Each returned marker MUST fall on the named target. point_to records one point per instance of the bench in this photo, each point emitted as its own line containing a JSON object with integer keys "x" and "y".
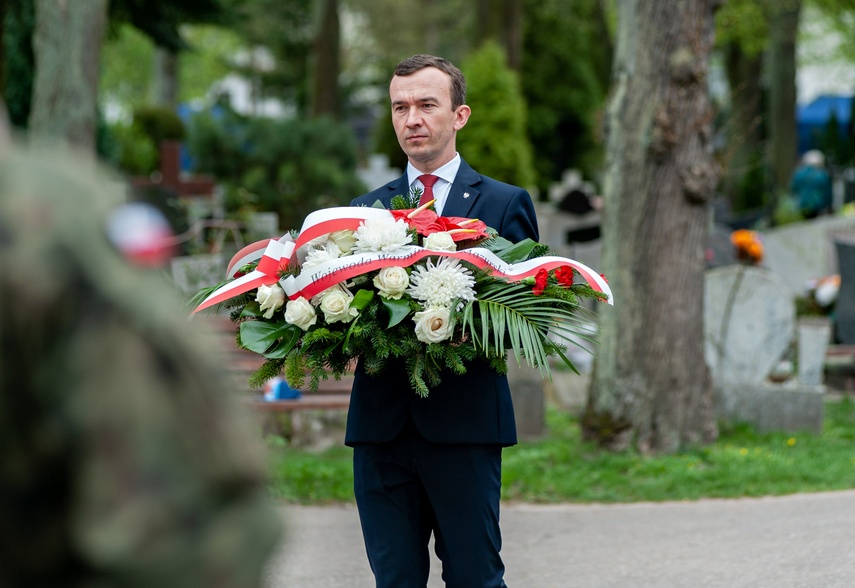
{"x": 316, "y": 419}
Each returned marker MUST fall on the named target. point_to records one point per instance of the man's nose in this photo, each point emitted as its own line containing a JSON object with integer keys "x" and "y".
{"x": 414, "y": 118}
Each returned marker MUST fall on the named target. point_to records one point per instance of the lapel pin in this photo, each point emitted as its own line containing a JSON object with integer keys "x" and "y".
{"x": 466, "y": 194}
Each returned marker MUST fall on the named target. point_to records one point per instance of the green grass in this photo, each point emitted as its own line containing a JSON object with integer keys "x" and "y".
{"x": 562, "y": 468}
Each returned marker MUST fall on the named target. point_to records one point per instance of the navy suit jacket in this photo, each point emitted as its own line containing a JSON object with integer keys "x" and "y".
{"x": 475, "y": 407}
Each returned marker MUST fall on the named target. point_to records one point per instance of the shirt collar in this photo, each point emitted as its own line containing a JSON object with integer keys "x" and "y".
{"x": 447, "y": 172}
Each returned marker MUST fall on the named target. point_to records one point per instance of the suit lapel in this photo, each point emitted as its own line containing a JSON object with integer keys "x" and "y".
{"x": 463, "y": 193}
{"x": 396, "y": 187}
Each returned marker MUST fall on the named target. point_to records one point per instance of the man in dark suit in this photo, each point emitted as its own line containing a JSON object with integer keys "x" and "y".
{"x": 433, "y": 465}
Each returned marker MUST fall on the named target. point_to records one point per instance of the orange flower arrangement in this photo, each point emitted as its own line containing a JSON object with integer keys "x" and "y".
{"x": 749, "y": 247}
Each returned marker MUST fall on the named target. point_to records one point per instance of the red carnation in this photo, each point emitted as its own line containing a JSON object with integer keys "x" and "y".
{"x": 564, "y": 275}
{"x": 540, "y": 281}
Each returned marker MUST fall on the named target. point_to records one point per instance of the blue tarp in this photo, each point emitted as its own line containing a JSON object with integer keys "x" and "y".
{"x": 812, "y": 119}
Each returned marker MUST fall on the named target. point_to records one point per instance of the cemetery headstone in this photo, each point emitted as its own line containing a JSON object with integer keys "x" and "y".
{"x": 194, "y": 272}
{"x": 749, "y": 321}
{"x": 749, "y": 324}
{"x": 378, "y": 172}
{"x": 844, "y": 308}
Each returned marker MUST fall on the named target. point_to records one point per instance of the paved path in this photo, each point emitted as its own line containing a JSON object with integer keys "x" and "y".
{"x": 799, "y": 541}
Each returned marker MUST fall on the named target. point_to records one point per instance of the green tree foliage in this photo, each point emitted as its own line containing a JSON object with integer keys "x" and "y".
{"x": 126, "y": 69}
{"x": 18, "y": 60}
{"x": 125, "y": 85}
{"x": 286, "y": 30}
{"x": 494, "y": 141}
{"x": 291, "y": 167}
{"x": 565, "y": 84}
{"x": 161, "y": 20}
{"x": 745, "y": 23}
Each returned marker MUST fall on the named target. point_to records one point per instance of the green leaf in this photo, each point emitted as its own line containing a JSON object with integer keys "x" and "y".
{"x": 398, "y": 310}
{"x": 567, "y": 362}
{"x": 361, "y": 299}
{"x": 252, "y": 309}
{"x": 349, "y": 331}
{"x": 526, "y": 320}
{"x": 259, "y": 336}
{"x": 286, "y": 344}
{"x": 518, "y": 251}
{"x": 496, "y": 244}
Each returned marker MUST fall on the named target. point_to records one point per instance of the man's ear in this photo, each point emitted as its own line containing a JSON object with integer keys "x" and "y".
{"x": 461, "y": 115}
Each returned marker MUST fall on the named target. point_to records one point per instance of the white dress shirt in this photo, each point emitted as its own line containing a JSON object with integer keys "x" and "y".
{"x": 446, "y": 175}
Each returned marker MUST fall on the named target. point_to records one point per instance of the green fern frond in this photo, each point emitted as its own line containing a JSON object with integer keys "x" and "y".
{"x": 513, "y": 314}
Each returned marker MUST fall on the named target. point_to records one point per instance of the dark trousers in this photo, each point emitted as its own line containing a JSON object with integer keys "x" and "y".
{"x": 409, "y": 488}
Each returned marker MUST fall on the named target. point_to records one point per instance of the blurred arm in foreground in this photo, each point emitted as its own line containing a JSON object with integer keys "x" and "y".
{"x": 122, "y": 460}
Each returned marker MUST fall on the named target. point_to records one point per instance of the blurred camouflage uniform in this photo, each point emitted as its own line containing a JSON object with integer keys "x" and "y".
{"x": 122, "y": 460}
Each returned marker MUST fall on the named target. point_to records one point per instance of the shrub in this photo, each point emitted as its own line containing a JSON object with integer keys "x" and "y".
{"x": 291, "y": 167}
{"x": 494, "y": 141}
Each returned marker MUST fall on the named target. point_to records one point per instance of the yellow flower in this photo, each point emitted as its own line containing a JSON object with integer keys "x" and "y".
{"x": 791, "y": 441}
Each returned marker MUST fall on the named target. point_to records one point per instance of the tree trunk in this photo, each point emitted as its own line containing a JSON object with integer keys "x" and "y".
{"x": 501, "y": 20}
{"x": 4, "y": 10}
{"x": 325, "y": 95}
{"x": 651, "y": 385}
{"x": 67, "y": 47}
{"x": 165, "y": 78}
{"x": 745, "y": 125}
{"x": 783, "y": 139}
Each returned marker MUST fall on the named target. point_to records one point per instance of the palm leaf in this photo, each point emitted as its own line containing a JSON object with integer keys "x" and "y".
{"x": 513, "y": 313}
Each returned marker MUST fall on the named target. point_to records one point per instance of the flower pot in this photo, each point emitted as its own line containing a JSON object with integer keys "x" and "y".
{"x": 814, "y": 335}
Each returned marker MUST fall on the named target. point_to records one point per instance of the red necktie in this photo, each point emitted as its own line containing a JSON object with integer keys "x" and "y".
{"x": 428, "y": 180}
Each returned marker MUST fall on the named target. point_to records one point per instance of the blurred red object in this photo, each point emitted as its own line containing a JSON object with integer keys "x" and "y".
{"x": 142, "y": 234}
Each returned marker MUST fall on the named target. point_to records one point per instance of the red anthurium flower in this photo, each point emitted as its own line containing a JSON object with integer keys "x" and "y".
{"x": 469, "y": 224}
{"x": 422, "y": 222}
{"x": 564, "y": 275}
{"x": 540, "y": 281}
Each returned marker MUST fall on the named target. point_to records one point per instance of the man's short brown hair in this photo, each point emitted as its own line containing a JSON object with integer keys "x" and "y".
{"x": 418, "y": 62}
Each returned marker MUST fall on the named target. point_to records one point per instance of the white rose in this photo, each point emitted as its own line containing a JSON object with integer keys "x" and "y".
{"x": 271, "y": 299}
{"x": 433, "y": 325}
{"x": 335, "y": 305}
{"x": 344, "y": 239}
{"x": 391, "y": 282}
{"x": 300, "y": 312}
{"x": 440, "y": 241}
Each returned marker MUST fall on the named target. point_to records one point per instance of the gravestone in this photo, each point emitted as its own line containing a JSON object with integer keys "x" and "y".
{"x": 378, "y": 172}
{"x": 262, "y": 225}
{"x": 527, "y": 394}
{"x": 749, "y": 323}
{"x": 844, "y": 308}
{"x": 194, "y": 272}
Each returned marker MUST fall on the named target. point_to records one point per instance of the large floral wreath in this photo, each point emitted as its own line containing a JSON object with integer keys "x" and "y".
{"x": 402, "y": 284}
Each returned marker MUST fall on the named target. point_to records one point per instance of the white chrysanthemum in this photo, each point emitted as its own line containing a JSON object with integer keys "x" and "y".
{"x": 318, "y": 255}
{"x": 439, "y": 285}
{"x": 381, "y": 234}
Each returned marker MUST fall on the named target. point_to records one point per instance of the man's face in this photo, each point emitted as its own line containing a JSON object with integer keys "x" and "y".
{"x": 423, "y": 119}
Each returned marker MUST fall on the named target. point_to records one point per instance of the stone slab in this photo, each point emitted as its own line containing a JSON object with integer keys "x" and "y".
{"x": 749, "y": 322}
{"x": 773, "y": 407}
{"x": 193, "y": 272}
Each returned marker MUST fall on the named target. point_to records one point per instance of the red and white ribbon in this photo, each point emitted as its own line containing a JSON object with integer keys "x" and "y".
{"x": 315, "y": 280}
{"x": 276, "y": 255}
